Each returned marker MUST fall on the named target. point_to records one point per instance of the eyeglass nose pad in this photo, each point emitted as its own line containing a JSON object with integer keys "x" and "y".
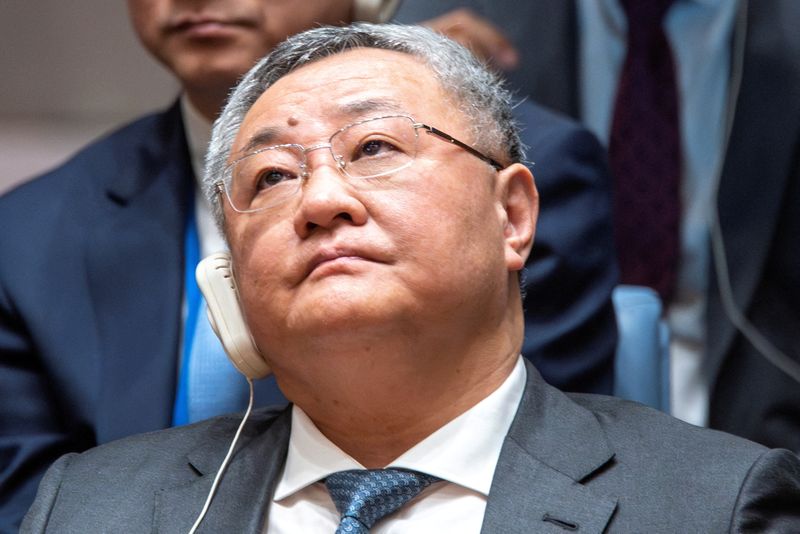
{"x": 339, "y": 162}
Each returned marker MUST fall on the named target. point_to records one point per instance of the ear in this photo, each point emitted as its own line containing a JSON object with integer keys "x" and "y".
{"x": 519, "y": 204}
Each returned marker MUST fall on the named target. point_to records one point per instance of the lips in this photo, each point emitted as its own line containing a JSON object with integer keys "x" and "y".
{"x": 200, "y": 25}
{"x": 338, "y": 256}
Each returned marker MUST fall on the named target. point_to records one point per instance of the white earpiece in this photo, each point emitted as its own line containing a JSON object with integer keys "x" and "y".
{"x": 216, "y": 282}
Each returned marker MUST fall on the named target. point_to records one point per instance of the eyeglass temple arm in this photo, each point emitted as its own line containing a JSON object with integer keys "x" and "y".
{"x": 449, "y": 138}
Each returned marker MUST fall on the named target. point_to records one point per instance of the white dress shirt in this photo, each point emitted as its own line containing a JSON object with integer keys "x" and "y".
{"x": 463, "y": 453}
{"x": 198, "y": 135}
{"x": 699, "y": 33}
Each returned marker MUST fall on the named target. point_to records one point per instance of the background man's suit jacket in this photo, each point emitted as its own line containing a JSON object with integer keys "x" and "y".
{"x": 759, "y": 195}
{"x": 600, "y": 463}
{"x": 91, "y": 282}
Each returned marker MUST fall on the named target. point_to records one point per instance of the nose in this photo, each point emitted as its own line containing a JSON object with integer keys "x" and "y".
{"x": 327, "y": 199}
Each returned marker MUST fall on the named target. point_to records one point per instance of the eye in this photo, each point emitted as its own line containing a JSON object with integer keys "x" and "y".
{"x": 372, "y": 148}
{"x": 269, "y": 178}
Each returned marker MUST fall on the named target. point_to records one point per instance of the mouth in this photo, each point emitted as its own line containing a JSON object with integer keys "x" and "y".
{"x": 205, "y": 26}
{"x": 336, "y": 260}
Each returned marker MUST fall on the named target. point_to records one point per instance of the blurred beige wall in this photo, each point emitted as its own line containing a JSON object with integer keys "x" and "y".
{"x": 69, "y": 71}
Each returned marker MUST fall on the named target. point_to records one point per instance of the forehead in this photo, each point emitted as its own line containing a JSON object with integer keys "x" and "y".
{"x": 308, "y": 104}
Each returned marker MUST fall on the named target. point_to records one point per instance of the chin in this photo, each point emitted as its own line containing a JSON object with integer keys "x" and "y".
{"x": 345, "y": 313}
{"x": 202, "y": 68}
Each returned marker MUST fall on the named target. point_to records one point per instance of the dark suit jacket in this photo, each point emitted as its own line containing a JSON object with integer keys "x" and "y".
{"x": 91, "y": 281}
{"x": 759, "y": 195}
{"x": 600, "y": 463}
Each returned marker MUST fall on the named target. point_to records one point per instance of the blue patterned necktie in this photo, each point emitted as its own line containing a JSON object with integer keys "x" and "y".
{"x": 364, "y": 496}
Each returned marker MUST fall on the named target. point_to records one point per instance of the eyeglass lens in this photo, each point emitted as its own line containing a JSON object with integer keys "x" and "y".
{"x": 369, "y": 149}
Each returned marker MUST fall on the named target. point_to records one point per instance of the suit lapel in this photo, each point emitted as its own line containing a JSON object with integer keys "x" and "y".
{"x": 757, "y": 164}
{"x": 552, "y": 446}
{"x": 134, "y": 268}
{"x": 243, "y": 497}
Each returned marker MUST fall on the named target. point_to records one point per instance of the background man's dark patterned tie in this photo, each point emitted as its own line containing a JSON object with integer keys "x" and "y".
{"x": 645, "y": 153}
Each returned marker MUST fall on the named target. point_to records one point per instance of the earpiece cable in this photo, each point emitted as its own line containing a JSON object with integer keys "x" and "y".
{"x": 225, "y": 462}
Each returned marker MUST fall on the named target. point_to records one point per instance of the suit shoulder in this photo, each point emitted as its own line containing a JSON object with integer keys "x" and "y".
{"x": 539, "y": 124}
{"x": 564, "y": 156}
{"x": 160, "y": 458}
{"x": 114, "y": 484}
{"x": 174, "y": 443}
{"x": 632, "y": 428}
{"x": 665, "y": 470}
{"x": 103, "y": 156}
{"x": 63, "y": 204}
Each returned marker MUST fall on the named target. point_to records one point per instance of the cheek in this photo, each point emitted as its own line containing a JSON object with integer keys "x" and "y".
{"x": 146, "y": 19}
{"x": 260, "y": 253}
{"x": 438, "y": 225}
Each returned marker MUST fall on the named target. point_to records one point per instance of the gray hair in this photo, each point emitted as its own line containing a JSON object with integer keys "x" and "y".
{"x": 477, "y": 92}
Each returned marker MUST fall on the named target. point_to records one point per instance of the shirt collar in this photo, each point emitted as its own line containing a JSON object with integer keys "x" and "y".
{"x": 464, "y": 451}
{"x": 710, "y": 3}
{"x": 612, "y": 9}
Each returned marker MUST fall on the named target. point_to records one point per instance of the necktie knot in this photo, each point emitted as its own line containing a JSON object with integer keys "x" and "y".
{"x": 364, "y": 496}
{"x": 645, "y": 20}
{"x": 645, "y": 11}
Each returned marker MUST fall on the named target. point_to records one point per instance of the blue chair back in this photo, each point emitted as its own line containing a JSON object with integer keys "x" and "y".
{"x": 641, "y": 371}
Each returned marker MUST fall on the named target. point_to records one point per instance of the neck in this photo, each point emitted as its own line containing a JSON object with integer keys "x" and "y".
{"x": 208, "y": 102}
{"x": 384, "y": 431}
{"x": 377, "y": 404}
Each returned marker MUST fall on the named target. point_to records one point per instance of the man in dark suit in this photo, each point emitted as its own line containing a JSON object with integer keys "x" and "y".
{"x": 745, "y": 363}
{"x": 345, "y": 170}
{"x": 95, "y": 256}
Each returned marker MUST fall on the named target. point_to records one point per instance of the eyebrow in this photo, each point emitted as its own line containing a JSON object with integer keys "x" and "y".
{"x": 265, "y": 136}
{"x": 362, "y": 107}
{"x": 268, "y": 135}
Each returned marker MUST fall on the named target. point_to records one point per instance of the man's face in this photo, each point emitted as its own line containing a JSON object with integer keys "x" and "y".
{"x": 338, "y": 263}
{"x": 209, "y": 44}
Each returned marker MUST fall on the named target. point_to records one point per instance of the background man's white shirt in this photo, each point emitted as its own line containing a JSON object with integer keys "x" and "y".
{"x": 198, "y": 135}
